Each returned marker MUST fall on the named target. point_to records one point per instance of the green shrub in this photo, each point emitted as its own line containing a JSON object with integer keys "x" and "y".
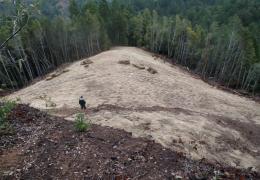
{"x": 5, "y": 108}
{"x": 6, "y": 128}
{"x": 81, "y": 124}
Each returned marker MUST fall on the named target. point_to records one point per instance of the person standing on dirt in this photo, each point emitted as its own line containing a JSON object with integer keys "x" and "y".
{"x": 82, "y": 102}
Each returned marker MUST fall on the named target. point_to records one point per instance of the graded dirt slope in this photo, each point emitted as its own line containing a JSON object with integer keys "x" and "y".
{"x": 47, "y": 147}
{"x": 171, "y": 107}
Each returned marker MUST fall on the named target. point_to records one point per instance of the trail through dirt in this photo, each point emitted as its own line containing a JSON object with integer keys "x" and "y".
{"x": 170, "y": 106}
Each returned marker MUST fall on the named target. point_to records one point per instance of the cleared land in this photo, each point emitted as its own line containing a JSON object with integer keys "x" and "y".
{"x": 47, "y": 147}
{"x": 172, "y": 107}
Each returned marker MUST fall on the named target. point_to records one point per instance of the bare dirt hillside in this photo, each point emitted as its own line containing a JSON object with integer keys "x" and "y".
{"x": 45, "y": 147}
{"x": 171, "y": 107}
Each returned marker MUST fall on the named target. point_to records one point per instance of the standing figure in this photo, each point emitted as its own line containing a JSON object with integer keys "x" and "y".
{"x": 82, "y": 102}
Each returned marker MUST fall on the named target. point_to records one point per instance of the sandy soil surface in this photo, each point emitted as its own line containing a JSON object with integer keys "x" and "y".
{"x": 171, "y": 107}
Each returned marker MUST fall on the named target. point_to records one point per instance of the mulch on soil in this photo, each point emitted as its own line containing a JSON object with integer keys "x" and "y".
{"x": 47, "y": 147}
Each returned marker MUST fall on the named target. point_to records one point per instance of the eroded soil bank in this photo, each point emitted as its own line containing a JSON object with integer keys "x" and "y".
{"x": 47, "y": 147}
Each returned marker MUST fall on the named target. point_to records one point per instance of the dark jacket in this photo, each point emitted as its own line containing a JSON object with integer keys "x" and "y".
{"x": 82, "y": 102}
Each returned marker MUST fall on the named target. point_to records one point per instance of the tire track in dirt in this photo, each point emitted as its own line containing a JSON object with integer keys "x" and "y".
{"x": 65, "y": 112}
{"x": 252, "y": 134}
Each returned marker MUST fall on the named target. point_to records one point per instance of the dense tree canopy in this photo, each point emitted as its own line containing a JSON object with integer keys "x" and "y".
{"x": 218, "y": 39}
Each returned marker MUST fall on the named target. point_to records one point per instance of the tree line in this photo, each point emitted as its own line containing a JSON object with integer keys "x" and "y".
{"x": 217, "y": 39}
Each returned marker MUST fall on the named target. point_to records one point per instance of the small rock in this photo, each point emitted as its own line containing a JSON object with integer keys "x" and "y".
{"x": 250, "y": 168}
{"x": 226, "y": 174}
{"x": 178, "y": 177}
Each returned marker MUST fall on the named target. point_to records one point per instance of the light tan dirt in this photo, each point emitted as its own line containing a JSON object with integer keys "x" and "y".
{"x": 171, "y": 107}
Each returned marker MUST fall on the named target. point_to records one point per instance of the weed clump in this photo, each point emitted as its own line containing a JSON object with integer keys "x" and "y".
{"x": 5, "y": 109}
{"x": 48, "y": 101}
{"x": 81, "y": 124}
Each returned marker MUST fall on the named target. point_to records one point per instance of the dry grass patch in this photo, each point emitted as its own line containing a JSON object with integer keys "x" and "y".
{"x": 48, "y": 101}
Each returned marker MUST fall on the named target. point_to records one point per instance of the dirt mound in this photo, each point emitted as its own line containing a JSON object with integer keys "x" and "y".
{"x": 46, "y": 147}
{"x": 165, "y": 107}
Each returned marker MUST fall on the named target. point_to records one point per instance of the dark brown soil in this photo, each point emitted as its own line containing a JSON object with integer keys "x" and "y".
{"x": 46, "y": 147}
{"x": 4, "y": 93}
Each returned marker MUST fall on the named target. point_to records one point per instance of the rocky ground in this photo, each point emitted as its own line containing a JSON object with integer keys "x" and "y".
{"x": 46, "y": 147}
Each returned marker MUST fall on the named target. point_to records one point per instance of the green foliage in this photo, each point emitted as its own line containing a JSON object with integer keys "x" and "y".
{"x": 4, "y": 32}
{"x": 73, "y": 9}
{"x": 6, "y": 128}
{"x": 81, "y": 124}
{"x": 5, "y": 109}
